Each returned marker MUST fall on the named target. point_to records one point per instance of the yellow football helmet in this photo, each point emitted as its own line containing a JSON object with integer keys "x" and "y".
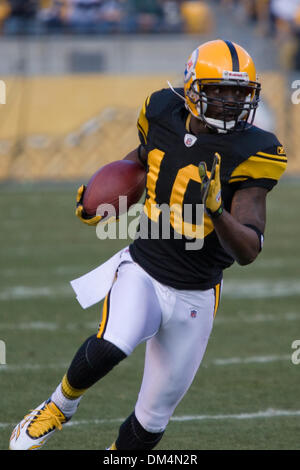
{"x": 221, "y": 63}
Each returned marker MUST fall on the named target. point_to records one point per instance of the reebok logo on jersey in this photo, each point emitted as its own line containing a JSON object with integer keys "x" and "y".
{"x": 189, "y": 140}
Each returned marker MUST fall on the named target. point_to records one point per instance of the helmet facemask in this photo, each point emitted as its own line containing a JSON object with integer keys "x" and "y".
{"x": 233, "y": 115}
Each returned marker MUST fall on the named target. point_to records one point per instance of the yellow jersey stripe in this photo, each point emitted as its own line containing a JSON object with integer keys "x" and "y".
{"x": 104, "y": 317}
{"x": 142, "y": 132}
{"x": 271, "y": 157}
{"x": 217, "y": 289}
{"x": 279, "y": 157}
{"x": 260, "y": 167}
{"x": 238, "y": 178}
{"x": 143, "y": 123}
{"x": 187, "y": 123}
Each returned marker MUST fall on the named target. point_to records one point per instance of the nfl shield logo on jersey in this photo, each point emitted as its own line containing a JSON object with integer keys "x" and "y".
{"x": 194, "y": 313}
{"x": 189, "y": 140}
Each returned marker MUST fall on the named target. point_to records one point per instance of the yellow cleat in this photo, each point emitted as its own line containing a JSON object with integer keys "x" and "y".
{"x": 36, "y": 427}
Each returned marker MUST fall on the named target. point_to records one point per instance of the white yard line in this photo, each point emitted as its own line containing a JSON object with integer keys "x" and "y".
{"x": 26, "y": 292}
{"x": 32, "y": 367}
{"x": 250, "y": 360}
{"x": 74, "y": 270}
{"x": 222, "y": 318}
{"x": 255, "y": 317}
{"x": 233, "y": 289}
{"x": 213, "y": 362}
{"x": 266, "y": 414}
{"x": 30, "y": 326}
{"x": 248, "y": 289}
{"x": 269, "y": 413}
{"x": 49, "y": 326}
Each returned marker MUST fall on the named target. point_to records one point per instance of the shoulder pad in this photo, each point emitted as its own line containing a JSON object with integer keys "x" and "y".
{"x": 161, "y": 101}
{"x": 155, "y": 107}
{"x": 266, "y": 159}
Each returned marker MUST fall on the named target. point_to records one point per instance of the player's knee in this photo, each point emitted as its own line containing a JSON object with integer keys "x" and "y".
{"x": 152, "y": 420}
{"x": 101, "y": 353}
{"x": 94, "y": 359}
{"x": 155, "y": 414}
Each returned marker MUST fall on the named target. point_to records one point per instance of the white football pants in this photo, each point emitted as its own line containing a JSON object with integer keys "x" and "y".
{"x": 176, "y": 325}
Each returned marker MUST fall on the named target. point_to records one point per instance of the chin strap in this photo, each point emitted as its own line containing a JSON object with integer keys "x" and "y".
{"x": 216, "y": 124}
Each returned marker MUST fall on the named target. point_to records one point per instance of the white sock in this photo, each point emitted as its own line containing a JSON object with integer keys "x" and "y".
{"x": 67, "y": 406}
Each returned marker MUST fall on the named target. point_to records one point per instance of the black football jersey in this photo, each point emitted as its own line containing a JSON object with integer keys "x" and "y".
{"x": 252, "y": 157}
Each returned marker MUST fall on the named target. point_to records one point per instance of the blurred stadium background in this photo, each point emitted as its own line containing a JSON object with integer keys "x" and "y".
{"x": 76, "y": 74}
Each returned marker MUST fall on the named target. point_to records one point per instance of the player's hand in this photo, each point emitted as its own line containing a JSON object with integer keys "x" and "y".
{"x": 211, "y": 187}
{"x": 80, "y": 212}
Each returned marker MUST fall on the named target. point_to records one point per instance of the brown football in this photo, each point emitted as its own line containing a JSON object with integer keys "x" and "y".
{"x": 120, "y": 178}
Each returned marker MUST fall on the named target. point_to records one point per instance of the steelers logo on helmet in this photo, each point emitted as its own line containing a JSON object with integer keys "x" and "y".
{"x": 189, "y": 71}
{"x": 210, "y": 67}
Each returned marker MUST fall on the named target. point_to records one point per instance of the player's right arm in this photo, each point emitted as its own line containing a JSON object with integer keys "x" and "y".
{"x": 138, "y": 155}
{"x": 80, "y": 212}
{"x": 151, "y": 108}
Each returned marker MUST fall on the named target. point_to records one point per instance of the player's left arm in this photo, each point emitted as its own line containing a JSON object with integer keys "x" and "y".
{"x": 241, "y": 241}
{"x": 239, "y": 231}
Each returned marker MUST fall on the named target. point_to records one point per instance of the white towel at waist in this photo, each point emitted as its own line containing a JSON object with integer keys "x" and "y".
{"x": 93, "y": 286}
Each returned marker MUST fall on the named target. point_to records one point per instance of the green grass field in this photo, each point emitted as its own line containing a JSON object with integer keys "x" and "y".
{"x": 246, "y": 393}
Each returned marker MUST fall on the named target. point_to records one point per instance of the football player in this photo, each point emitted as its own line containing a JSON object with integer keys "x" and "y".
{"x": 198, "y": 145}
